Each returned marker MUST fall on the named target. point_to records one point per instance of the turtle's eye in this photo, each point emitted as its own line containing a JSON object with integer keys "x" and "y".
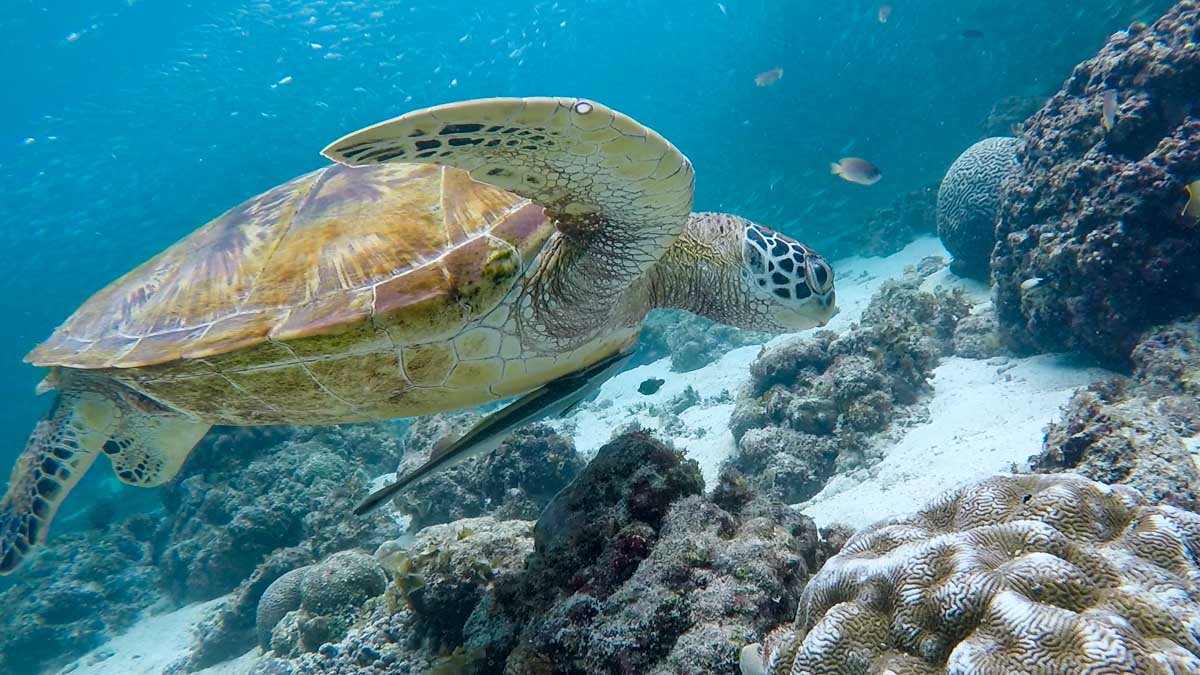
{"x": 819, "y": 274}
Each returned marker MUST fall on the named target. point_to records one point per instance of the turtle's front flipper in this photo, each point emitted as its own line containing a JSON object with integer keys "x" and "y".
{"x": 557, "y": 397}
{"x": 618, "y": 191}
{"x": 58, "y": 452}
{"x": 147, "y": 446}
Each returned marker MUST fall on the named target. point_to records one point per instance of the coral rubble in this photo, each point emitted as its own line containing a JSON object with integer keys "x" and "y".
{"x": 1011, "y": 574}
{"x": 630, "y": 569}
{"x": 814, "y": 402}
{"x": 1093, "y": 247}
{"x": 74, "y": 594}
{"x": 690, "y": 340}
{"x": 1136, "y": 431}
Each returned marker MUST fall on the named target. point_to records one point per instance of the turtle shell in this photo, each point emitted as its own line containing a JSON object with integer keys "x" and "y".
{"x": 418, "y": 249}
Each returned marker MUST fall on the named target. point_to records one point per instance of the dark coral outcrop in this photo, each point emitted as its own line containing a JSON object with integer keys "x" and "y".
{"x": 631, "y": 569}
{"x": 1095, "y": 214}
{"x": 1138, "y": 430}
{"x": 814, "y": 402}
{"x": 225, "y": 517}
{"x": 516, "y": 480}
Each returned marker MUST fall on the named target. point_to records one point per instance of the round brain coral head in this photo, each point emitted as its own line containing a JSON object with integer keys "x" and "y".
{"x": 1014, "y": 574}
{"x": 967, "y": 202}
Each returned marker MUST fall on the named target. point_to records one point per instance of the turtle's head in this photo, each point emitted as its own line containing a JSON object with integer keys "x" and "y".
{"x": 791, "y": 281}
{"x": 740, "y": 273}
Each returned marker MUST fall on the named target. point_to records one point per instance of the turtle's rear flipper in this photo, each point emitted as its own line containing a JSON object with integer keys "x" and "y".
{"x": 146, "y": 448}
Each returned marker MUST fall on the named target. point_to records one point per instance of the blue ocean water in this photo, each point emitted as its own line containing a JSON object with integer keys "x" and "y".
{"x": 128, "y": 123}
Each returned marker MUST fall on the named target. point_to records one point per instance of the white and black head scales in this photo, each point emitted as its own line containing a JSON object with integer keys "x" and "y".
{"x": 795, "y": 278}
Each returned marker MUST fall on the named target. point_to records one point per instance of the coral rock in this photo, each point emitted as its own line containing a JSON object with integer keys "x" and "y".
{"x": 315, "y": 604}
{"x": 1095, "y": 214}
{"x": 814, "y": 402}
{"x": 1135, "y": 431}
{"x": 516, "y": 480}
{"x": 1011, "y": 574}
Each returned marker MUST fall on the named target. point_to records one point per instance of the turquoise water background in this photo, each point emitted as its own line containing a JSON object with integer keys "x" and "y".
{"x": 126, "y": 124}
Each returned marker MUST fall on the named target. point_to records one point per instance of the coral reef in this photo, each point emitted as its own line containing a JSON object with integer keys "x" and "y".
{"x": 813, "y": 402}
{"x": 1007, "y": 116}
{"x": 1012, "y": 574}
{"x": 635, "y": 571}
{"x": 1094, "y": 214}
{"x": 312, "y": 605}
{"x": 421, "y": 622}
{"x": 691, "y": 341}
{"x": 968, "y": 200}
{"x": 889, "y": 229}
{"x": 225, "y": 517}
{"x": 630, "y": 569}
{"x": 515, "y": 481}
{"x": 232, "y": 630}
{"x": 70, "y": 597}
{"x": 1135, "y": 431}
{"x": 977, "y": 335}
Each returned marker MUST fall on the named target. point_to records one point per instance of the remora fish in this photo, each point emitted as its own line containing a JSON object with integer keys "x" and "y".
{"x": 554, "y": 398}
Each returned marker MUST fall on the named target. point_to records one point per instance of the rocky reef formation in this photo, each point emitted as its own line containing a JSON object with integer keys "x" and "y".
{"x": 630, "y": 569}
{"x": 516, "y": 481}
{"x": 227, "y": 516}
{"x": 1092, "y": 245}
{"x": 1012, "y": 574}
{"x": 314, "y": 604}
{"x": 968, "y": 200}
{"x": 814, "y": 403}
{"x": 1138, "y": 430}
{"x": 1007, "y": 116}
{"x": 691, "y": 341}
{"x": 69, "y": 598}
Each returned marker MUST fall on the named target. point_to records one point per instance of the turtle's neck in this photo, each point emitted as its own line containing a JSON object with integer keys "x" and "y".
{"x": 700, "y": 273}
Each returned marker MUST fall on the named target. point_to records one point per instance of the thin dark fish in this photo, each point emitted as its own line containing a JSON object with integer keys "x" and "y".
{"x": 551, "y": 399}
{"x": 972, "y": 34}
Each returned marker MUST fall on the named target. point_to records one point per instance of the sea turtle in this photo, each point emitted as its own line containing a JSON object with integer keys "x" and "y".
{"x": 452, "y": 256}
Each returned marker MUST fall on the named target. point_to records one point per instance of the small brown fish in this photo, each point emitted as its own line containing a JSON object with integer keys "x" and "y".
{"x": 1192, "y": 208}
{"x": 769, "y": 77}
{"x": 1108, "y": 112}
{"x": 856, "y": 170}
{"x": 884, "y": 12}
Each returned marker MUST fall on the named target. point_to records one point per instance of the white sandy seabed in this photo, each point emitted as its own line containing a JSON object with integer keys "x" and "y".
{"x": 984, "y": 417}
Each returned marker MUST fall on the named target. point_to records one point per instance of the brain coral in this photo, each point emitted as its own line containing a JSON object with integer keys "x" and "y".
{"x": 967, "y": 201}
{"x": 1013, "y": 574}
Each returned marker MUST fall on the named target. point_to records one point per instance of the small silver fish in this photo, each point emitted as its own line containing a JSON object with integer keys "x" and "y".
{"x": 1032, "y": 283}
